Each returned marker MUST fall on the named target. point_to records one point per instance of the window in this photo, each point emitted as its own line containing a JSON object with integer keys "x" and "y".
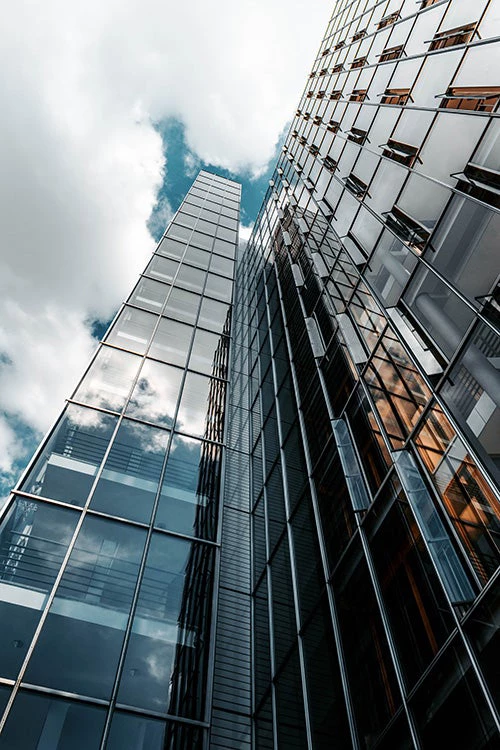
{"x": 326, "y": 52}
{"x": 317, "y": 120}
{"x": 339, "y": 45}
{"x": 338, "y": 68}
{"x": 333, "y": 126}
{"x": 357, "y": 135}
{"x": 356, "y": 186}
{"x": 387, "y": 20}
{"x": 391, "y": 53}
{"x": 320, "y": 94}
{"x": 313, "y": 149}
{"x": 358, "y": 35}
{"x": 330, "y": 163}
{"x": 475, "y": 98}
{"x": 407, "y": 228}
{"x": 359, "y": 62}
{"x": 336, "y": 94}
{"x": 481, "y": 183}
{"x": 323, "y": 72}
{"x": 427, "y": 3}
{"x": 452, "y": 37}
{"x": 358, "y": 95}
{"x": 400, "y": 152}
{"x": 396, "y": 96}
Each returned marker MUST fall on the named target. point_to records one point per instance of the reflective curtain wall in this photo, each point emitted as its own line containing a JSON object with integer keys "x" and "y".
{"x": 372, "y": 377}
{"x": 110, "y": 544}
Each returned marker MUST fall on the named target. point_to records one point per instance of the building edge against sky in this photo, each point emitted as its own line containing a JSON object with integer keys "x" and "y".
{"x": 289, "y": 541}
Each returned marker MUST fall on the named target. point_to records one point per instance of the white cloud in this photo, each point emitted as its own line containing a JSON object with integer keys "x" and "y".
{"x": 82, "y": 162}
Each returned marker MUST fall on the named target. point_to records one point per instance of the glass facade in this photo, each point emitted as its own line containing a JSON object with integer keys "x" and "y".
{"x": 268, "y": 517}
{"x": 370, "y": 319}
{"x": 111, "y": 543}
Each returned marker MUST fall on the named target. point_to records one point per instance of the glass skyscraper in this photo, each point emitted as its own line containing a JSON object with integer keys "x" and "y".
{"x": 268, "y": 517}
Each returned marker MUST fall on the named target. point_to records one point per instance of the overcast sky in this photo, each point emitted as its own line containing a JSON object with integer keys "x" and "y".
{"x": 94, "y": 95}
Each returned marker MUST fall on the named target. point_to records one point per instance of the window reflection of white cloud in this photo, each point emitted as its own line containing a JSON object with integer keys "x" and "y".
{"x": 109, "y": 379}
{"x": 194, "y": 405}
{"x": 155, "y": 394}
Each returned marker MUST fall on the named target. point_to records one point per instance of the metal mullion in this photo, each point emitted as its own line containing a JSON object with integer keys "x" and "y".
{"x": 319, "y": 530}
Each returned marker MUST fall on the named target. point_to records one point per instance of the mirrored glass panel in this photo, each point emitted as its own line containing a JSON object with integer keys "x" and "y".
{"x": 204, "y": 354}
{"x": 190, "y": 278}
{"x": 163, "y": 269}
{"x": 167, "y": 643}
{"x": 171, "y": 342}
{"x": 204, "y": 241}
{"x": 155, "y": 395}
{"x": 138, "y": 732}
{"x": 129, "y": 480}
{"x": 221, "y": 265}
{"x": 43, "y": 722}
{"x": 224, "y": 248}
{"x": 196, "y": 257}
{"x": 171, "y": 247}
{"x": 68, "y": 464}
{"x": 34, "y": 538}
{"x": 213, "y": 315}
{"x": 149, "y": 294}
{"x": 219, "y": 287}
{"x": 80, "y": 642}
{"x": 194, "y": 406}
{"x": 109, "y": 379}
{"x": 132, "y": 330}
{"x": 182, "y": 305}
{"x": 190, "y": 488}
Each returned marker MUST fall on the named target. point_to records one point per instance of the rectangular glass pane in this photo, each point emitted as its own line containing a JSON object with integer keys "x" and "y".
{"x": 163, "y": 269}
{"x": 167, "y": 646}
{"x": 213, "y": 315}
{"x": 182, "y": 305}
{"x": 129, "y": 480}
{"x": 109, "y": 379}
{"x": 171, "y": 342}
{"x": 68, "y": 464}
{"x": 189, "y": 492}
{"x": 194, "y": 406}
{"x": 171, "y": 247}
{"x": 80, "y": 642}
{"x": 132, "y": 330}
{"x": 34, "y": 538}
{"x": 221, "y": 265}
{"x": 218, "y": 287}
{"x": 39, "y": 722}
{"x": 149, "y": 294}
{"x": 204, "y": 354}
{"x": 155, "y": 395}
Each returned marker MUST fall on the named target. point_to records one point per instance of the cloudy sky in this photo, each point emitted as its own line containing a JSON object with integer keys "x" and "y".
{"x": 108, "y": 109}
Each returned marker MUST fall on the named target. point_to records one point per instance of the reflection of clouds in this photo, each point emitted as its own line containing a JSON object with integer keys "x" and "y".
{"x": 141, "y": 437}
{"x": 194, "y": 405}
{"x": 159, "y": 668}
{"x": 79, "y": 416}
{"x": 109, "y": 379}
{"x": 155, "y": 394}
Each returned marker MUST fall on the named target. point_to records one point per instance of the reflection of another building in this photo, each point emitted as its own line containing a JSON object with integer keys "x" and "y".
{"x": 188, "y": 681}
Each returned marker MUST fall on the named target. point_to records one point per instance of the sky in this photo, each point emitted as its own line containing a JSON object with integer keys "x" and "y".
{"x": 109, "y": 108}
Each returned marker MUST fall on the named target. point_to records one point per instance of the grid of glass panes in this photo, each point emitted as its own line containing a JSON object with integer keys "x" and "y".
{"x": 109, "y": 543}
{"x": 373, "y": 267}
